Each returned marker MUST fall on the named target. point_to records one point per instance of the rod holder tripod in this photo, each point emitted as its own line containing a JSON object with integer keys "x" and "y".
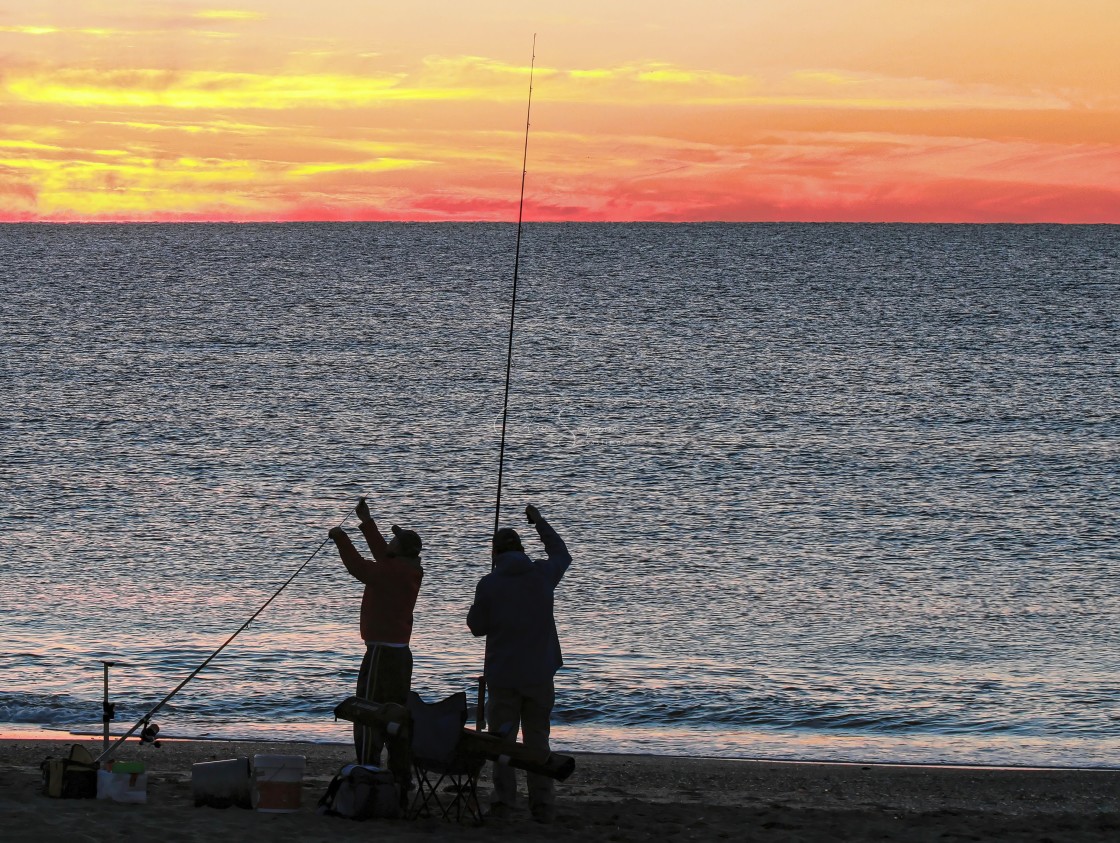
{"x": 108, "y": 709}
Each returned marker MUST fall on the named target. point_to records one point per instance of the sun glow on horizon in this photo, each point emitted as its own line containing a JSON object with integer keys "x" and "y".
{"x": 712, "y": 111}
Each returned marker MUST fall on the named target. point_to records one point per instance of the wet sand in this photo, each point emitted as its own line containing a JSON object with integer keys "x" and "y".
{"x": 609, "y": 797}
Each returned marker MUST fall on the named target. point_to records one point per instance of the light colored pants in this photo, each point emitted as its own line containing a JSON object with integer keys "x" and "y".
{"x": 528, "y": 708}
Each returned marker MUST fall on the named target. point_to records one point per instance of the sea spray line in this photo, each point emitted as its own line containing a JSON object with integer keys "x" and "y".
{"x": 146, "y": 719}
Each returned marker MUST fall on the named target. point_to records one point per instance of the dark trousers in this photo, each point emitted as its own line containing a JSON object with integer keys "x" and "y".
{"x": 527, "y": 709}
{"x": 385, "y": 676}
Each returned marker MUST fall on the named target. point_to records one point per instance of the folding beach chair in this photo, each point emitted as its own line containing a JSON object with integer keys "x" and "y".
{"x": 446, "y": 775}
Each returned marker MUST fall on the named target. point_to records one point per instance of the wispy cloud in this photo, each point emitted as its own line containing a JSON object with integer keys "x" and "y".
{"x": 229, "y": 14}
{"x": 471, "y": 78}
{"x": 210, "y": 127}
{"x": 33, "y": 146}
{"x": 204, "y": 90}
{"x": 661, "y": 83}
{"x": 30, "y": 30}
{"x": 375, "y": 165}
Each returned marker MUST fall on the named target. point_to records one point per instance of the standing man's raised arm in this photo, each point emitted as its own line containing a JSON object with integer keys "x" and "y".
{"x": 558, "y": 558}
{"x": 360, "y": 568}
{"x": 374, "y": 539}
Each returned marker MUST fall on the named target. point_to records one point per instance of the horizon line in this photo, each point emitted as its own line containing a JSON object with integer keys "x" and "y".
{"x": 391, "y": 221}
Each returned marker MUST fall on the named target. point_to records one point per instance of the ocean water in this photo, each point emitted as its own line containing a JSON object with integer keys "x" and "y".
{"x": 842, "y": 492}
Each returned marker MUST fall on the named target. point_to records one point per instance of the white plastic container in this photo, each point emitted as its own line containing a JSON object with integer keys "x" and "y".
{"x": 123, "y": 783}
{"x": 277, "y": 783}
{"x": 220, "y": 784}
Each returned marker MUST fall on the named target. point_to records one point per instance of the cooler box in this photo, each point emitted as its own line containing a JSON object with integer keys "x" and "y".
{"x": 220, "y": 784}
{"x": 277, "y": 783}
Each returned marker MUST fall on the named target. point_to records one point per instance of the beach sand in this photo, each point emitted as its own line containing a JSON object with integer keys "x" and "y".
{"x": 609, "y": 797}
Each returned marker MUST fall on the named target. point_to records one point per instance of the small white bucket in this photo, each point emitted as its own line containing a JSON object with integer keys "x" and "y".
{"x": 123, "y": 785}
{"x": 277, "y": 782}
{"x": 220, "y": 784}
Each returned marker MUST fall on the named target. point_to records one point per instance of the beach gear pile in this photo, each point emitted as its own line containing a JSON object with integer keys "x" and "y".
{"x": 78, "y": 776}
{"x": 361, "y": 792}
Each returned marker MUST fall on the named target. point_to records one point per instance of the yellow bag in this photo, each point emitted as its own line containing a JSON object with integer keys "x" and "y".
{"x": 74, "y": 777}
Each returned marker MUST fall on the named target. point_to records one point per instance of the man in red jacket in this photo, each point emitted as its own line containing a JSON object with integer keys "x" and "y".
{"x": 392, "y": 582}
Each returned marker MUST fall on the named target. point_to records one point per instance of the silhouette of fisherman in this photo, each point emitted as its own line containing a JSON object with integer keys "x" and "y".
{"x": 513, "y": 608}
{"x": 392, "y": 583}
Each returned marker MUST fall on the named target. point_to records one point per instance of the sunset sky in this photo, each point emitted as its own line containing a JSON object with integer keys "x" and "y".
{"x": 741, "y": 110}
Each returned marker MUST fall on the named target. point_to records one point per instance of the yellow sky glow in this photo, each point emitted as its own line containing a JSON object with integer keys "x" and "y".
{"x": 1005, "y": 110}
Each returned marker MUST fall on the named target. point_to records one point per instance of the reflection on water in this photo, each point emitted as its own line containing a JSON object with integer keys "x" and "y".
{"x": 832, "y": 491}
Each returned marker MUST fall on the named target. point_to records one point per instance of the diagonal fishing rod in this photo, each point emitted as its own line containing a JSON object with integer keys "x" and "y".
{"x": 513, "y": 299}
{"x": 143, "y": 721}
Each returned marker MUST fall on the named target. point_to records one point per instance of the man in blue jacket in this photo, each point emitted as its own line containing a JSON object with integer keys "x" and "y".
{"x": 513, "y": 608}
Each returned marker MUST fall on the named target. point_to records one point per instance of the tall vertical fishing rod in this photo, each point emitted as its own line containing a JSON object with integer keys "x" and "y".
{"x": 513, "y": 300}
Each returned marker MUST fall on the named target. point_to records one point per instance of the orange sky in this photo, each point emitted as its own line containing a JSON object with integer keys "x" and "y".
{"x": 863, "y": 110}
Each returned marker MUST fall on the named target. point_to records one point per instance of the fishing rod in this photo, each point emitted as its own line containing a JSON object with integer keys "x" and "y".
{"x": 513, "y": 299}
{"x": 480, "y": 714}
{"x": 149, "y": 731}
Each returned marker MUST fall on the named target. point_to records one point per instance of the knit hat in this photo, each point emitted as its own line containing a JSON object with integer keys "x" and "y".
{"x": 505, "y": 539}
{"x": 408, "y": 541}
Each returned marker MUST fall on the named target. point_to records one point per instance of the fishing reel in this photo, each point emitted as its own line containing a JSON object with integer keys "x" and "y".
{"x": 148, "y": 734}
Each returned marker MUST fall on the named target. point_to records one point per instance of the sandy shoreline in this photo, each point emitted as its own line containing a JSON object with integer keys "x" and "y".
{"x": 610, "y": 797}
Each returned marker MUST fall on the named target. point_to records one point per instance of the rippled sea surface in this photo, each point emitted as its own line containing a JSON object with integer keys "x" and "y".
{"x": 833, "y": 491}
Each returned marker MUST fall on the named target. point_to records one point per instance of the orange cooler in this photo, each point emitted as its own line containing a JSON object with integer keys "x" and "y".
{"x": 277, "y": 783}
